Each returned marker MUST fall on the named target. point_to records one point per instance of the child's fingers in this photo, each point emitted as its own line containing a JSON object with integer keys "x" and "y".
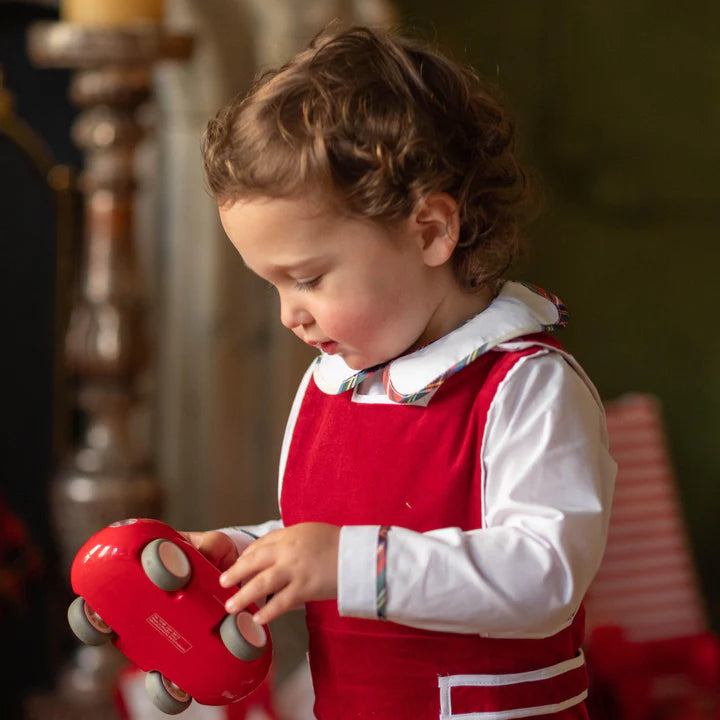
{"x": 254, "y": 571}
{"x": 257, "y": 590}
{"x": 256, "y": 557}
{"x": 285, "y": 568}
{"x": 280, "y": 603}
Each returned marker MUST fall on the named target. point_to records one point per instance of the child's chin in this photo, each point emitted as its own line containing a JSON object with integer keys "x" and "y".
{"x": 354, "y": 362}
{"x": 354, "y": 365}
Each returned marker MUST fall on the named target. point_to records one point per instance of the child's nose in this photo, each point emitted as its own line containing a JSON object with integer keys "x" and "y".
{"x": 292, "y": 313}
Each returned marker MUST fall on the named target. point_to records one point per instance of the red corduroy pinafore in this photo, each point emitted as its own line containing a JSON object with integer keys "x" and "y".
{"x": 416, "y": 467}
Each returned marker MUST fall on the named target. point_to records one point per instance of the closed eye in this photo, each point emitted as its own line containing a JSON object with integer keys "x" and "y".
{"x": 310, "y": 284}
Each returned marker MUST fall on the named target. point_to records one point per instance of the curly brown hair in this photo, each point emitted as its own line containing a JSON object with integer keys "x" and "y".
{"x": 377, "y": 121}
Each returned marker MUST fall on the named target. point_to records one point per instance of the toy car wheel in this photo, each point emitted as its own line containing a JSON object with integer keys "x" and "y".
{"x": 166, "y": 695}
{"x": 87, "y": 625}
{"x": 166, "y": 565}
{"x": 243, "y": 637}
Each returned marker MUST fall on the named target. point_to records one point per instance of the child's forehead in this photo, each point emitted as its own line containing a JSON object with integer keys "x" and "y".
{"x": 313, "y": 206}
{"x": 289, "y": 223}
{"x": 294, "y": 230}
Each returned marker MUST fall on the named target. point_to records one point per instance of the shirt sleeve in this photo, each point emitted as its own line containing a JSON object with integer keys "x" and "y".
{"x": 547, "y": 487}
{"x": 243, "y": 535}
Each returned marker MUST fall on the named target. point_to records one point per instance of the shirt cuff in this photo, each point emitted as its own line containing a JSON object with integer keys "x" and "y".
{"x": 357, "y": 571}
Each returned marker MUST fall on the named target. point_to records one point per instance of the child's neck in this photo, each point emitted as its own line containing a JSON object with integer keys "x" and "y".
{"x": 455, "y": 309}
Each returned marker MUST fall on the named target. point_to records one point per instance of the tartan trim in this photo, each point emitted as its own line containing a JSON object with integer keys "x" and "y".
{"x": 399, "y": 397}
{"x": 380, "y": 566}
{"x": 354, "y": 380}
{"x": 563, "y": 314}
{"x": 409, "y": 398}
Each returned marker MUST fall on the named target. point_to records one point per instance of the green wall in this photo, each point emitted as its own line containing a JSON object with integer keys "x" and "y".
{"x": 618, "y": 108}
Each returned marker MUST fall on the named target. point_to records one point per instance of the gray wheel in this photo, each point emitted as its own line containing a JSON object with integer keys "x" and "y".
{"x": 243, "y": 637}
{"x": 166, "y": 695}
{"x": 87, "y": 625}
{"x": 166, "y": 565}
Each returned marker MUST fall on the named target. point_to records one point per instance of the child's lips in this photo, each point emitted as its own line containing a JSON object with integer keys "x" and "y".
{"x": 329, "y": 347}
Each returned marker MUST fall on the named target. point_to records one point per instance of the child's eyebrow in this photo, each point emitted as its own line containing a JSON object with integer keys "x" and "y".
{"x": 296, "y": 270}
{"x": 284, "y": 268}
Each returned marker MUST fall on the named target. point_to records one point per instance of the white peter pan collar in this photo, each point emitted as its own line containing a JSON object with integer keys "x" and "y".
{"x": 519, "y": 309}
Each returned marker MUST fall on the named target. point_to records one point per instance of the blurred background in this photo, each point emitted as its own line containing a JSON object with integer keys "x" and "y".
{"x": 617, "y": 108}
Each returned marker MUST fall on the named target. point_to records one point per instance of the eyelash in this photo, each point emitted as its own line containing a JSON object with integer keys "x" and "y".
{"x": 304, "y": 285}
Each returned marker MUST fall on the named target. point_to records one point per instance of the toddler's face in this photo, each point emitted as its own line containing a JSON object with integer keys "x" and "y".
{"x": 347, "y": 286}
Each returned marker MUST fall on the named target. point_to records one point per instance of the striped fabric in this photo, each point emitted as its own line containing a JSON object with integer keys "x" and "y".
{"x": 381, "y": 564}
{"x": 647, "y": 583}
{"x": 563, "y": 314}
{"x": 409, "y": 398}
{"x": 355, "y": 379}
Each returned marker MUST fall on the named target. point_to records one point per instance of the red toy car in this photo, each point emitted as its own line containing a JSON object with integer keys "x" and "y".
{"x": 144, "y": 587}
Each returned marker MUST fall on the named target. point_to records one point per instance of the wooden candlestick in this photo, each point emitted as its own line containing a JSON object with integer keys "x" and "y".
{"x": 108, "y": 475}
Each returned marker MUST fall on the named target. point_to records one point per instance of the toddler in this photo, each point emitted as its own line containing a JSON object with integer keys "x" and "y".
{"x": 445, "y": 481}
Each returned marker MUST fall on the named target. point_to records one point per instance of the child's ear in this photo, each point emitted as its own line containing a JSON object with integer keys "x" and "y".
{"x": 437, "y": 220}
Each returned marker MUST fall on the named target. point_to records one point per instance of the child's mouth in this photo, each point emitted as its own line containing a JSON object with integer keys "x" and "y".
{"x": 329, "y": 348}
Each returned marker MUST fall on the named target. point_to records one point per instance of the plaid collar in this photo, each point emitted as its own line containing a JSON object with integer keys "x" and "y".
{"x": 519, "y": 309}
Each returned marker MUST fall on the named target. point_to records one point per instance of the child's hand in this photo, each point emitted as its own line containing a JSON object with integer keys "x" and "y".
{"x": 216, "y": 546}
{"x": 293, "y": 565}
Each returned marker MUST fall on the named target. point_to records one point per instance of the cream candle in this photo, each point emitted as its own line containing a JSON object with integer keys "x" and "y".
{"x": 111, "y": 13}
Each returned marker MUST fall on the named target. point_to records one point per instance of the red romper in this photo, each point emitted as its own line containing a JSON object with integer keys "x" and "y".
{"x": 360, "y": 472}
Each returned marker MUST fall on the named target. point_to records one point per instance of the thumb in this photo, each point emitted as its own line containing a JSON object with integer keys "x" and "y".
{"x": 218, "y": 548}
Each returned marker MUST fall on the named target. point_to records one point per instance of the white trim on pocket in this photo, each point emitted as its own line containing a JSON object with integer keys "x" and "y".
{"x": 448, "y": 682}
